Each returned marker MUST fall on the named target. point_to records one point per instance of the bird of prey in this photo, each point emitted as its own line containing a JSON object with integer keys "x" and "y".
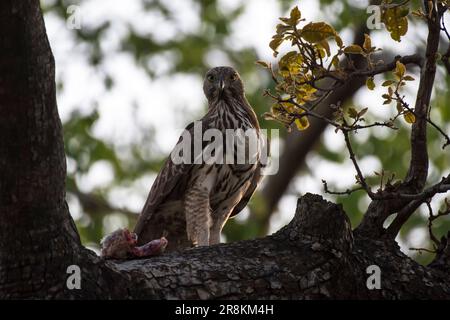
{"x": 190, "y": 201}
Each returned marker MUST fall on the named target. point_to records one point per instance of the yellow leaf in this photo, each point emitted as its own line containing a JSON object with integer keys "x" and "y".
{"x": 399, "y": 69}
{"x": 275, "y": 43}
{"x": 335, "y": 62}
{"x": 295, "y": 14}
{"x": 409, "y": 117}
{"x": 278, "y": 112}
{"x": 367, "y": 43}
{"x": 281, "y": 29}
{"x": 268, "y": 116}
{"x": 408, "y": 78}
{"x": 370, "y": 83}
{"x": 354, "y": 49}
{"x": 387, "y": 83}
{"x": 289, "y": 107}
{"x": 320, "y": 53}
{"x": 290, "y": 64}
{"x": 338, "y": 40}
{"x": 390, "y": 91}
{"x": 294, "y": 17}
{"x": 276, "y": 109}
{"x": 317, "y": 31}
{"x": 262, "y": 63}
{"x": 302, "y": 123}
{"x": 324, "y": 44}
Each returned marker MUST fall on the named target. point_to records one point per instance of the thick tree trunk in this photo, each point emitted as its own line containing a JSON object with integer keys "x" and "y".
{"x": 315, "y": 256}
{"x": 37, "y": 235}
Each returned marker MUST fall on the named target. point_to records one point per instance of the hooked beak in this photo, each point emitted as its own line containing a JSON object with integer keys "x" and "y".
{"x": 221, "y": 88}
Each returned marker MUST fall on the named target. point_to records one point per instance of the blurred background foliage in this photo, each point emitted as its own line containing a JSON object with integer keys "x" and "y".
{"x": 188, "y": 52}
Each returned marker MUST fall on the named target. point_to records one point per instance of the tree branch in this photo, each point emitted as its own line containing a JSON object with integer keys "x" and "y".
{"x": 410, "y": 59}
{"x": 415, "y": 179}
{"x": 418, "y": 168}
{"x": 403, "y": 215}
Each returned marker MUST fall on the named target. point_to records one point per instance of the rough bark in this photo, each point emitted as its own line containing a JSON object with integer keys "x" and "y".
{"x": 37, "y": 234}
{"x": 315, "y": 256}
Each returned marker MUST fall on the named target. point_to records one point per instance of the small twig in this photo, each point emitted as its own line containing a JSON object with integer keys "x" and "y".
{"x": 404, "y": 214}
{"x": 274, "y": 77}
{"x": 308, "y": 112}
{"x": 427, "y": 119}
{"x": 361, "y": 178}
{"x": 422, "y": 249}
{"x": 346, "y": 192}
{"x": 445, "y": 59}
{"x": 410, "y": 59}
{"x": 433, "y": 217}
{"x": 316, "y": 102}
{"x": 444, "y": 28}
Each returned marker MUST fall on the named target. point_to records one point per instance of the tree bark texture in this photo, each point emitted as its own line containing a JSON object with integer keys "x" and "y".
{"x": 316, "y": 256}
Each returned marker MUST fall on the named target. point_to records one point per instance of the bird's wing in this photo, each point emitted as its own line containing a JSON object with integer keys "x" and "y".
{"x": 248, "y": 194}
{"x": 257, "y": 176}
{"x": 168, "y": 178}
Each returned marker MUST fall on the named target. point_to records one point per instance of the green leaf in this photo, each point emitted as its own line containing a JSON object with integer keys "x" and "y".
{"x": 317, "y": 31}
{"x": 387, "y": 83}
{"x": 352, "y": 113}
{"x": 362, "y": 112}
{"x": 395, "y": 21}
{"x": 353, "y": 49}
{"x": 370, "y": 83}
{"x": 408, "y": 78}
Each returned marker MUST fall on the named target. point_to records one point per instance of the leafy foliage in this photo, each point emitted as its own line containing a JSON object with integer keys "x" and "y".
{"x": 304, "y": 72}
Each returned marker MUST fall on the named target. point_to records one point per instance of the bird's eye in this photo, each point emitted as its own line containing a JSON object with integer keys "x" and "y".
{"x": 233, "y": 77}
{"x": 210, "y": 77}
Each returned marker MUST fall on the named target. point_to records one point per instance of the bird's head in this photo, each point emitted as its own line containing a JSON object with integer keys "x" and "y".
{"x": 221, "y": 82}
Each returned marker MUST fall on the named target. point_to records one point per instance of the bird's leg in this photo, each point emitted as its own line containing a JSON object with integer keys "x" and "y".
{"x": 216, "y": 229}
{"x": 198, "y": 215}
{"x": 219, "y": 221}
{"x": 221, "y": 216}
